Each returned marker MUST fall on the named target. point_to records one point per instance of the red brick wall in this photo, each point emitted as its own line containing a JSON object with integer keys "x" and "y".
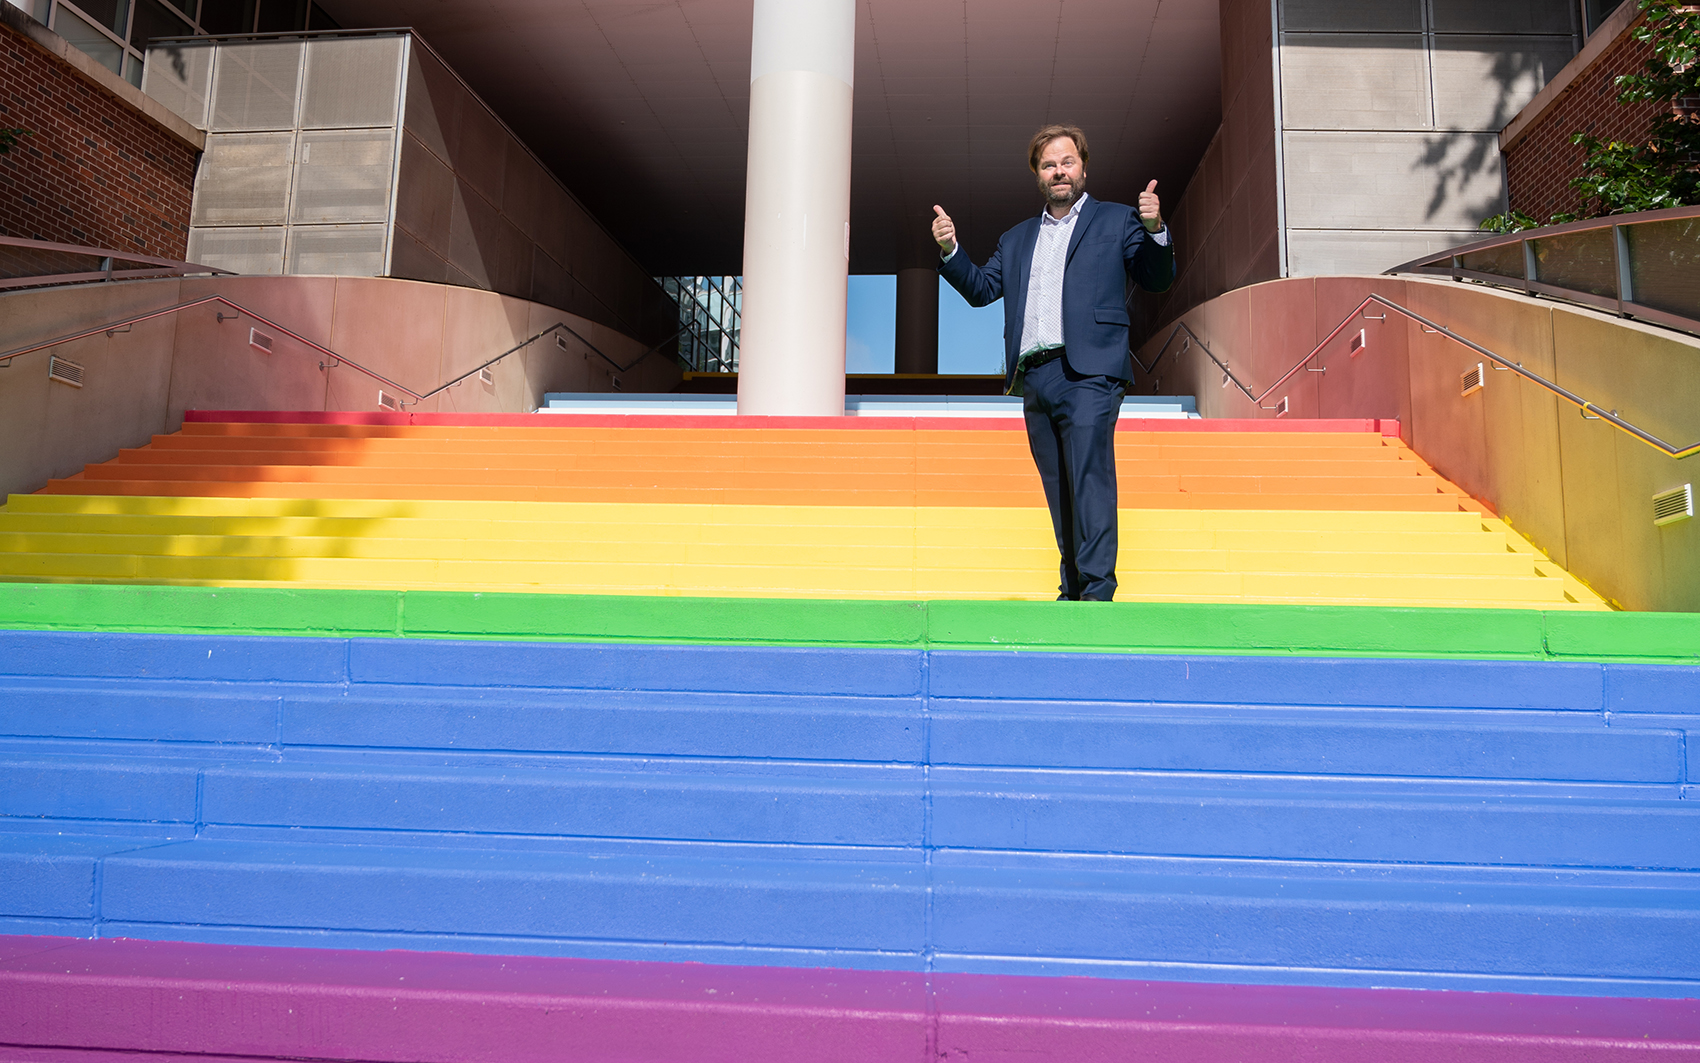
{"x": 95, "y": 172}
{"x": 1540, "y": 166}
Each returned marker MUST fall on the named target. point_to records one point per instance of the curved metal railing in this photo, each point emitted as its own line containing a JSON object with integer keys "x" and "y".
{"x": 1645, "y": 265}
{"x": 39, "y": 263}
{"x": 1588, "y": 408}
{"x": 240, "y": 311}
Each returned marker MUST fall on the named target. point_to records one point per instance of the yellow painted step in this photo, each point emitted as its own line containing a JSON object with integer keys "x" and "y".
{"x": 229, "y": 515}
{"x": 848, "y": 547}
{"x": 774, "y": 581}
{"x": 871, "y": 572}
{"x": 1420, "y": 557}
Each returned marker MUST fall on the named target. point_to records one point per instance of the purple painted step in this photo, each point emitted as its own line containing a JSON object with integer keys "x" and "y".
{"x": 94, "y": 1001}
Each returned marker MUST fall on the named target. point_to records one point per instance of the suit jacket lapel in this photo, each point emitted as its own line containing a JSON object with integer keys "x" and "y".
{"x": 1087, "y": 210}
{"x": 1022, "y": 267}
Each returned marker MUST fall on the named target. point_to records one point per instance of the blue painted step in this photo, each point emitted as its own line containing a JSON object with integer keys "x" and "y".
{"x": 1146, "y": 813}
{"x": 1341, "y": 821}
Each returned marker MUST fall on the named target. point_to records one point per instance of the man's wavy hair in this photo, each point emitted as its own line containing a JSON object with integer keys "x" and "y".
{"x": 1050, "y": 133}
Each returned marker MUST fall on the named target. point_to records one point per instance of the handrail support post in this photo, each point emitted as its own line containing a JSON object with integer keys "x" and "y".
{"x": 1620, "y": 259}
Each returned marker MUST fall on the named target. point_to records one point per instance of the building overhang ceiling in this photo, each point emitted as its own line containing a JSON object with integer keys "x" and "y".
{"x": 641, "y": 107}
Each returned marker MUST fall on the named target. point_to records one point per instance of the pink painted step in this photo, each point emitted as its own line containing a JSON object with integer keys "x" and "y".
{"x": 64, "y": 999}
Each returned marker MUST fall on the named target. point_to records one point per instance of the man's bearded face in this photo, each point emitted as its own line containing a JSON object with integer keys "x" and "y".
{"x": 1062, "y": 176}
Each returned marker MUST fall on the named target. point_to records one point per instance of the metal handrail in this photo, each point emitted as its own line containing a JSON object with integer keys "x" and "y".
{"x": 1589, "y": 409}
{"x": 1449, "y": 263}
{"x": 241, "y": 311}
{"x": 283, "y": 35}
{"x": 156, "y": 267}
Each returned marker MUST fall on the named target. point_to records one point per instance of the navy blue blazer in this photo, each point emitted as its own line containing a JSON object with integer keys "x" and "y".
{"x": 1108, "y": 245}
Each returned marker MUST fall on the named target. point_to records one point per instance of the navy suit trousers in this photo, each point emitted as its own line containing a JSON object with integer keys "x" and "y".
{"x": 1071, "y": 428}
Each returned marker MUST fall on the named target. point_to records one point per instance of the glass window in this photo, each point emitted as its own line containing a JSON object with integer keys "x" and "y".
{"x": 34, "y": 8}
{"x": 281, "y": 16}
{"x": 110, "y": 14}
{"x": 154, "y": 19}
{"x": 1597, "y": 11}
{"x": 83, "y": 34}
{"x": 227, "y": 16}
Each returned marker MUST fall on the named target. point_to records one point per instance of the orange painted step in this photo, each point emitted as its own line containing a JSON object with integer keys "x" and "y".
{"x": 1244, "y": 464}
{"x": 1143, "y": 445}
{"x": 858, "y": 438}
{"x": 873, "y": 475}
{"x": 758, "y": 466}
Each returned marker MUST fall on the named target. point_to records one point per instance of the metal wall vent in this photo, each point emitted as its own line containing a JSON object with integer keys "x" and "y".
{"x": 1474, "y": 380}
{"x": 1283, "y": 407}
{"x": 65, "y": 372}
{"x": 1360, "y": 341}
{"x": 259, "y": 341}
{"x": 485, "y": 376}
{"x": 388, "y": 402}
{"x": 1674, "y": 505}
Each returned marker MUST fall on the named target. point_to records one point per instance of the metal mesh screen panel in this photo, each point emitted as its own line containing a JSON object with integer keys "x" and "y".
{"x": 351, "y": 81}
{"x": 180, "y": 76}
{"x": 344, "y": 176}
{"x": 254, "y": 85}
{"x": 343, "y": 250}
{"x": 244, "y": 179}
{"x": 254, "y": 251}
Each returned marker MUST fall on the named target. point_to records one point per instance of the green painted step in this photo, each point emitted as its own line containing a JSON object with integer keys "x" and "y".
{"x": 1122, "y": 627}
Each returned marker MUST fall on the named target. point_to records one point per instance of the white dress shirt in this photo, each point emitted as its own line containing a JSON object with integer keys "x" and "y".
{"x": 1041, "y": 327}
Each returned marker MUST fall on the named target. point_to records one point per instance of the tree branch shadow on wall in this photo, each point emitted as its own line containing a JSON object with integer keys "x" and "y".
{"x": 1462, "y": 158}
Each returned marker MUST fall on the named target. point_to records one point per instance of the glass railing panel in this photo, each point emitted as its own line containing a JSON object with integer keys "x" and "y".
{"x": 1504, "y": 261}
{"x": 1664, "y": 265}
{"x": 1581, "y": 262}
{"x": 18, "y": 262}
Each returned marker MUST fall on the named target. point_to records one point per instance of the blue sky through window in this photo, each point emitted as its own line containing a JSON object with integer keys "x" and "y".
{"x": 970, "y": 340}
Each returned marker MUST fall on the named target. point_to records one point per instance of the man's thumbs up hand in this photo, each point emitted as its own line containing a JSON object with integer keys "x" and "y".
{"x": 1151, "y": 209}
{"x": 944, "y": 230}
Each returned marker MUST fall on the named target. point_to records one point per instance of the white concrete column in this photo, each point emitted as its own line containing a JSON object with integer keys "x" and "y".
{"x": 797, "y": 209}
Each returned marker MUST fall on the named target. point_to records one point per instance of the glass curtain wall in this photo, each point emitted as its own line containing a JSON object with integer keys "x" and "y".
{"x": 710, "y": 312}
{"x": 115, "y": 33}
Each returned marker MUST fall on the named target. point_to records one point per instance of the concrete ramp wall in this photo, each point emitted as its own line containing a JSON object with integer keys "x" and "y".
{"x": 138, "y": 382}
{"x": 1577, "y": 488}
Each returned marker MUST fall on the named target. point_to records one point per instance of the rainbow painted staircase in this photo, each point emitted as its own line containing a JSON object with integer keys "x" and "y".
{"x": 1215, "y": 511}
{"x": 651, "y": 738}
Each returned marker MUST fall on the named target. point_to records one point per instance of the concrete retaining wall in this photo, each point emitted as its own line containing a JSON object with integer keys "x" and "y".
{"x": 1579, "y": 489}
{"x": 138, "y": 383}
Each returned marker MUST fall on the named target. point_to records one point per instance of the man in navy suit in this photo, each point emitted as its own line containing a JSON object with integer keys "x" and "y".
{"x": 1065, "y": 274}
